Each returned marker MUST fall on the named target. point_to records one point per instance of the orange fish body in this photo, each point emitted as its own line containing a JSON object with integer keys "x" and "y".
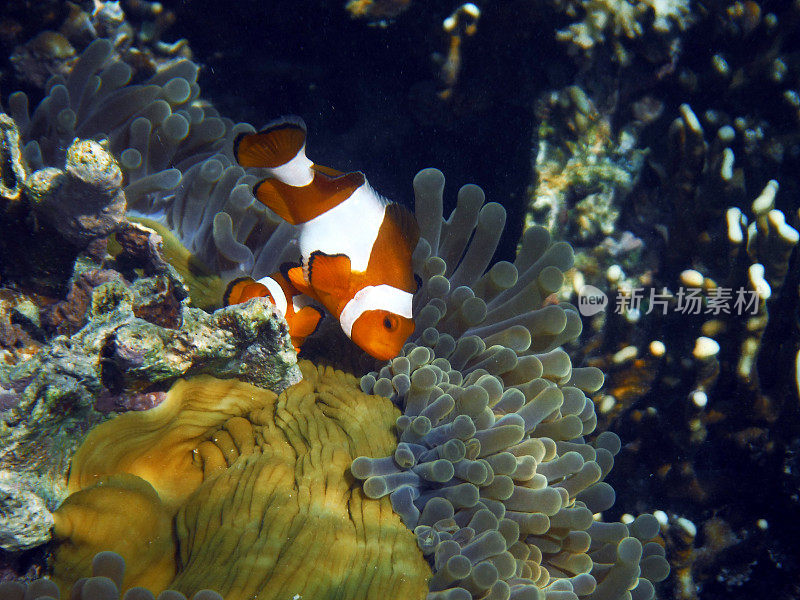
{"x": 356, "y": 246}
{"x": 301, "y": 316}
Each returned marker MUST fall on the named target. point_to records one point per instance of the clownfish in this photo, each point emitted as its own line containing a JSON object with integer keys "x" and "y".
{"x": 356, "y": 246}
{"x": 301, "y": 316}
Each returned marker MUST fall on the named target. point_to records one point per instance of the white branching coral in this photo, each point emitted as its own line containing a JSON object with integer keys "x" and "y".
{"x": 614, "y": 20}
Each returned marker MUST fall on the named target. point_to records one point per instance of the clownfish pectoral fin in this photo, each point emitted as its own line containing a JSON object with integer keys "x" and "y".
{"x": 233, "y": 291}
{"x": 274, "y": 146}
{"x": 265, "y": 192}
{"x": 243, "y": 289}
{"x": 305, "y": 322}
{"x": 300, "y": 203}
{"x": 296, "y": 277}
{"x": 329, "y": 273}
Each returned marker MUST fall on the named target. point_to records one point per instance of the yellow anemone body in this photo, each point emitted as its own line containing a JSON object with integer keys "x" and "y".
{"x": 229, "y": 487}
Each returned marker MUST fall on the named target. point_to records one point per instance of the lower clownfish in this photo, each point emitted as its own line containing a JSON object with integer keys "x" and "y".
{"x": 356, "y": 246}
{"x": 301, "y": 316}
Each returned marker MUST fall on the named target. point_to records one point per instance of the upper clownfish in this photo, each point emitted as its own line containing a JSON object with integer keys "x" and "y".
{"x": 356, "y": 246}
{"x": 301, "y": 315}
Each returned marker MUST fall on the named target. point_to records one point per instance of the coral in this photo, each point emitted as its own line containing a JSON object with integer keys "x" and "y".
{"x": 20, "y": 328}
{"x": 584, "y": 171}
{"x": 12, "y": 167}
{"x": 493, "y": 471}
{"x": 617, "y": 21}
{"x": 68, "y": 316}
{"x": 377, "y": 11}
{"x": 55, "y": 214}
{"x": 248, "y": 477}
{"x": 84, "y": 201}
{"x": 25, "y": 521}
{"x": 128, "y": 346}
{"x": 734, "y": 251}
{"x": 734, "y": 257}
{"x": 47, "y": 54}
{"x": 45, "y": 39}
{"x": 460, "y": 25}
{"x": 697, "y": 368}
{"x": 206, "y": 288}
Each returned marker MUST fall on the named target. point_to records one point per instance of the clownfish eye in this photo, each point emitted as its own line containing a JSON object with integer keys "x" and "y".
{"x": 390, "y": 323}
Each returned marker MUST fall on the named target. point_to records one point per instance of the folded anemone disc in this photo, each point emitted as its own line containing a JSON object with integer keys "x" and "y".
{"x": 276, "y": 511}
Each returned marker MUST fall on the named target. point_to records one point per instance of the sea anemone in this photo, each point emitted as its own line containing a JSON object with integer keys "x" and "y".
{"x": 493, "y": 470}
{"x": 174, "y": 150}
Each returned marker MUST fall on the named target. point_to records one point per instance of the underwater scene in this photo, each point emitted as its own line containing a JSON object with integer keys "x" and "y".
{"x": 399, "y": 300}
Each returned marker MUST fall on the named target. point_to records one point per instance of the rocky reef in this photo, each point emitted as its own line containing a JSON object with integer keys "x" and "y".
{"x": 138, "y": 338}
{"x": 95, "y": 321}
{"x": 486, "y": 356}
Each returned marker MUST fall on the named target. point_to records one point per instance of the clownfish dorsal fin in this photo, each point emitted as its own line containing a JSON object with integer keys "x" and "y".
{"x": 329, "y": 273}
{"x": 275, "y": 145}
{"x": 298, "y": 204}
{"x": 406, "y": 223}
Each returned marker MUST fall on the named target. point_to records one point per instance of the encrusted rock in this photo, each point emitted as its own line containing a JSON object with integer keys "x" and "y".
{"x": 136, "y": 342}
{"x": 25, "y": 521}
{"x": 69, "y": 315}
{"x": 85, "y": 201}
{"x": 49, "y": 217}
{"x": 20, "y": 327}
{"x": 47, "y": 54}
{"x": 12, "y": 168}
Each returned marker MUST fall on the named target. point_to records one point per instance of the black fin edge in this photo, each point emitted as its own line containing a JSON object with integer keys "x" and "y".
{"x": 238, "y": 140}
{"x": 229, "y": 288}
{"x": 322, "y": 315}
{"x": 294, "y": 121}
{"x": 316, "y": 253}
{"x": 283, "y": 269}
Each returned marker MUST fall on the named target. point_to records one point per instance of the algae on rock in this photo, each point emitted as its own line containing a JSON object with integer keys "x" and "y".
{"x": 129, "y": 347}
{"x": 50, "y": 216}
